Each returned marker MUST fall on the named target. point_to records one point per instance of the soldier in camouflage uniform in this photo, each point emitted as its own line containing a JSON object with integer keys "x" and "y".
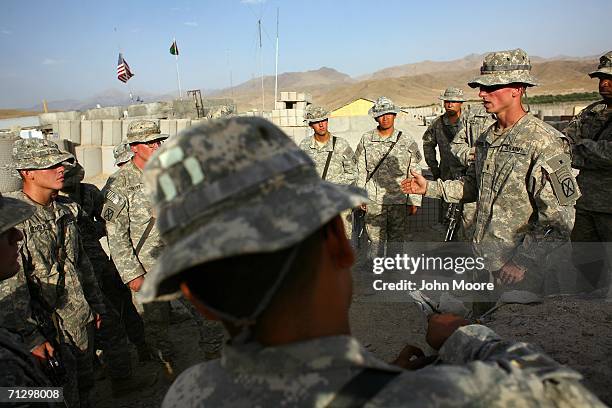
{"x": 440, "y": 133}
{"x": 122, "y": 154}
{"x": 385, "y": 156}
{"x": 54, "y": 262}
{"x": 244, "y": 211}
{"x": 591, "y": 135}
{"x": 121, "y": 315}
{"x": 134, "y": 240}
{"x": 17, "y": 365}
{"x": 521, "y": 178}
{"x": 332, "y": 155}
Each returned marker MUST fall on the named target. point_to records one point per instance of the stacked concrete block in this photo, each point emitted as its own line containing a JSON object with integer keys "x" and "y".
{"x": 108, "y": 160}
{"x": 168, "y": 126}
{"x": 182, "y": 124}
{"x": 90, "y": 157}
{"x": 70, "y": 129}
{"x": 112, "y": 133}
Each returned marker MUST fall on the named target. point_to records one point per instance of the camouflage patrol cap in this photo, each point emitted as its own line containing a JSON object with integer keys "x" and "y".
{"x": 452, "y": 95}
{"x": 315, "y": 114}
{"x": 605, "y": 66}
{"x": 503, "y": 68}
{"x": 12, "y": 212}
{"x": 143, "y": 131}
{"x": 36, "y": 154}
{"x": 234, "y": 187}
{"x": 73, "y": 176}
{"x": 122, "y": 153}
{"x": 382, "y": 106}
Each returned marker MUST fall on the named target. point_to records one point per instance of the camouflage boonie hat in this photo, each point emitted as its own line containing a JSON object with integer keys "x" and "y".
{"x": 234, "y": 187}
{"x": 604, "y": 67}
{"x": 37, "y": 154}
{"x": 73, "y": 175}
{"x": 315, "y": 114}
{"x": 452, "y": 95}
{"x": 122, "y": 153}
{"x": 382, "y": 106}
{"x": 143, "y": 131}
{"x": 503, "y": 68}
{"x": 12, "y": 212}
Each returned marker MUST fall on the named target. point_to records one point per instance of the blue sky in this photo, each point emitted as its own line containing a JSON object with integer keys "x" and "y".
{"x": 68, "y": 49}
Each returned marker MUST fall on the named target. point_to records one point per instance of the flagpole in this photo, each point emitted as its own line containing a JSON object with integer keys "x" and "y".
{"x": 276, "y": 63}
{"x": 178, "y": 76}
{"x": 129, "y": 87}
{"x": 263, "y": 97}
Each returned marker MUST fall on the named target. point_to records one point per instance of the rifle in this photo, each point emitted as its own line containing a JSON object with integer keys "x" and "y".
{"x": 453, "y": 215}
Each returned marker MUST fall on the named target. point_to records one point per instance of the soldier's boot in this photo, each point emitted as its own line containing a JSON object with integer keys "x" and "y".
{"x": 125, "y": 386}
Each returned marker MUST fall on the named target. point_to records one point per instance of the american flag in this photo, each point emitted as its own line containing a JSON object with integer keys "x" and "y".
{"x": 123, "y": 70}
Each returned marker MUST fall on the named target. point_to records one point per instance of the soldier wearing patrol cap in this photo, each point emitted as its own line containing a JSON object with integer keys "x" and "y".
{"x": 521, "y": 178}
{"x": 440, "y": 133}
{"x": 385, "y": 156}
{"x": 591, "y": 134}
{"x": 332, "y": 155}
{"x": 17, "y": 365}
{"x": 55, "y": 265}
{"x": 122, "y": 154}
{"x": 254, "y": 237}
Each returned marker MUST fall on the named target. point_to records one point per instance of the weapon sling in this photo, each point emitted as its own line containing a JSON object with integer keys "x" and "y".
{"x": 361, "y": 388}
{"x": 145, "y": 235}
{"x": 370, "y": 175}
{"x": 329, "y": 156}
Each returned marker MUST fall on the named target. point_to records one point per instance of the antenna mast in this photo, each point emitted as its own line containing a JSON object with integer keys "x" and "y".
{"x": 263, "y": 100}
{"x": 276, "y": 63}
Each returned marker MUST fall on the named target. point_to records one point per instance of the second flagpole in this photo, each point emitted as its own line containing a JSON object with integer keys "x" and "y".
{"x": 178, "y": 76}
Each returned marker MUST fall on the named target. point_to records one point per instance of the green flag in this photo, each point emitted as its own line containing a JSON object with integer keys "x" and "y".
{"x": 174, "y": 48}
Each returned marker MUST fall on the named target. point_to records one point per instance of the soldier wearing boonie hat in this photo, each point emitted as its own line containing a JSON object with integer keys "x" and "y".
{"x": 254, "y": 237}
{"x": 18, "y": 368}
{"x": 521, "y": 179}
{"x": 122, "y": 154}
{"x": 591, "y": 134}
{"x": 332, "y": 155}
{"x": 58, "y": 263}
{"x": 385, "y": 156}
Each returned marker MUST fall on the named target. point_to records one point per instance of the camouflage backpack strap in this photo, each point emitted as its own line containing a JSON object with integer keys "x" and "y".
{"x": 329, "y": 156}
{"x": 382, "y": 159}
{"x": 362, "y": 388}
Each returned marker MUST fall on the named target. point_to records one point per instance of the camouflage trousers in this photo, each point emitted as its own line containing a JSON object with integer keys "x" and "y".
{"x": 592, "y": 257}
{"x": 112, "y": 340}
{"x": 156, "y": 318}
{"x": 387, "y": 229}
{"x": 120, "y": 298}
{"x": 79, "y": 370}
{"x": 468, "y": 223}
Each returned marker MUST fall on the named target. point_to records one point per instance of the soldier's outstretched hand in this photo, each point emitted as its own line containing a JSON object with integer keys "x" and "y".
{"x": 417, "y": 184}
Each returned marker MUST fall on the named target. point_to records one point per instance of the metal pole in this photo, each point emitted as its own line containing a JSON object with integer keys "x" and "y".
{"x": 263, "y": 97}
{"x": 276, "y": 63}
{"x": 178, "y": 77}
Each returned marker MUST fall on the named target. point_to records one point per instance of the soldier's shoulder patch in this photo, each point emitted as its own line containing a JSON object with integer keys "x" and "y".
{"x": 562, "y": 179}
{"x": 113, "y": 205}
{"x": 414, "y": 149}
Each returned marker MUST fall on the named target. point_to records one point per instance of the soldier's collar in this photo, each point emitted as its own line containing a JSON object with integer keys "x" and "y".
{"x": 376, "y": 137}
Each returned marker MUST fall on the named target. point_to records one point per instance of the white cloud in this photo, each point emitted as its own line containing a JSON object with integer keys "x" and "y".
{"x": 6, "y": 32}
{"x": 191, "y": 23}
{"x": 51, "y": 61}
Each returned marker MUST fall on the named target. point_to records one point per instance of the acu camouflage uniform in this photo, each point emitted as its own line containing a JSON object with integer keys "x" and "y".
{"x": 128, "y": 212}
{"x": 386, "y": 217}
{"x": 521, "y": 180}
{"x": 342, "y": 168}
{"x": 120, "y": 312}
{"x": 441, "y": 133}
{"x": 55, "y": 263}
{"x": 591, "y": 135}
{"x": 245, "y": 188}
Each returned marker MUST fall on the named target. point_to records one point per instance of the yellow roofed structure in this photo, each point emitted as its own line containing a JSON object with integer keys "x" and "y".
{"x": 358, "y": 107}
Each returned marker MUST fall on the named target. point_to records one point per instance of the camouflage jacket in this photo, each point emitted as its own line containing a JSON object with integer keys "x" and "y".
{"x": 17, "y": 366}
{"x": 475, "y": 121}
{"x": 591, "y": 135}
{"x": 441, "y": 133}
{"x": 53, "y": 259}
{"x": 525, "y": 192}
{"x": 477, "y": 368}
{"x": 384, "y": 186}
{"x": 342, "y": 168}
{"x": 91, "y": 224}
{"x": 127, "y": 211}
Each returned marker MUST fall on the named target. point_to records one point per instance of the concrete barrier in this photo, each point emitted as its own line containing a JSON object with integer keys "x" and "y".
{"x": 71, "y": 130}
{"x": 86, "y": 132}
{"x": 90, "y": 157}
{"x": 96, "y": 132}
{"x": 54, "y": 117}
{"x": 109, "y": 112}
{"x": 168, "y": 126}
{"x": 108, "y": 160}
{"x": 111, "y": 132}
{"x": 182, "y": 124}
